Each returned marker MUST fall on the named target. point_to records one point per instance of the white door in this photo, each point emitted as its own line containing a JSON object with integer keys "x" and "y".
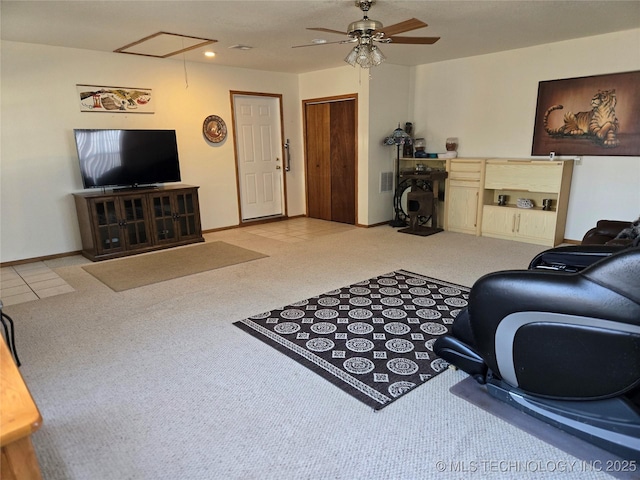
{"x": 259, "y": 155}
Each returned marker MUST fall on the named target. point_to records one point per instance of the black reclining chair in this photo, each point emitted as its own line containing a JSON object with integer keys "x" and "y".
{"x": 563, "y": 347}
{"x": 573, "y": 258}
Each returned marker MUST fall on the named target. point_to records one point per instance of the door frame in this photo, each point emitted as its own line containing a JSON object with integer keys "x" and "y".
{"x": 332, "y": 99}
{"x": 278, "y": 96}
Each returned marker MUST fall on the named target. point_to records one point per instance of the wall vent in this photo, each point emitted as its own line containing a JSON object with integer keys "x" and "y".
{"x": 386, "y": 182}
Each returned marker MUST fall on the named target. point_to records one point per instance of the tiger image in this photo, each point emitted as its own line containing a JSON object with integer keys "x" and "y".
{"x": 599, "y": 124}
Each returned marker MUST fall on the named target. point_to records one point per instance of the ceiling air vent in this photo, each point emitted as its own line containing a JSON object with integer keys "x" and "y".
{"x": 240, "y": 47}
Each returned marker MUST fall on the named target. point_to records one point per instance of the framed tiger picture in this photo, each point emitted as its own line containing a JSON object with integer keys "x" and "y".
{"x": 597, "y": 115}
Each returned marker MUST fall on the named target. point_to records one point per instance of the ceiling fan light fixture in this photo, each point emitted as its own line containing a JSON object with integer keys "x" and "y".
{"x": 352, "y": 56}
{"x": 365, "y": 55}
{"x": 365, "y": 26}
{"x": 377, "y": 57}
{"x": 366, "y": 32}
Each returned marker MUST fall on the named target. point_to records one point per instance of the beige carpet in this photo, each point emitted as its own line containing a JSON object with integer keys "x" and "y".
{"x": 157, "y": 383}
{"x": 140, "y": 270}
{"x": 589, "y": 454}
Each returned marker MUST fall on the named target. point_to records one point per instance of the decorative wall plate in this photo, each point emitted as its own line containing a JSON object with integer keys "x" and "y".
{"x": 214, "y": 129}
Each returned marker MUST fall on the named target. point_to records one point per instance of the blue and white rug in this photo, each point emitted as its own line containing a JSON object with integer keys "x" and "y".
{"x": 373, "y": 339}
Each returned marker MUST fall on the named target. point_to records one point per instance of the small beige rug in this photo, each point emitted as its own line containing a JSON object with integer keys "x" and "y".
{"x": 140, "y": 270}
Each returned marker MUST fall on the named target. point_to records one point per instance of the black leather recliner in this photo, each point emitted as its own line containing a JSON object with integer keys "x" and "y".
{"x": 563, "y": 347}
{"x": 606, "y": 232}
{"x": 573, "y": 258}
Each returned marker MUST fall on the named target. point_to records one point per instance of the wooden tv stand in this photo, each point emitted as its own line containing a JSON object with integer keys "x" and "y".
{"x": 130, "y": 221}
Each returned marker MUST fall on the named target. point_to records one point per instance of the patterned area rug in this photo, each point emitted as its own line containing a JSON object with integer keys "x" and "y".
{"x": 373, "y": 339}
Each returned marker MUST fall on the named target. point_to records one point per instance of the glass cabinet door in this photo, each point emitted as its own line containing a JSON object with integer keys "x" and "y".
{"x": 137, "y": 234}
{"x": 108, "y": 226}
{"x": 164, "y": 219}
{"x": 187, "y": 221}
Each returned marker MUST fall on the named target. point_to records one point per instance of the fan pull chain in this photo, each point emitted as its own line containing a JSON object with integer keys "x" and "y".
{"x": 184, "y": 63}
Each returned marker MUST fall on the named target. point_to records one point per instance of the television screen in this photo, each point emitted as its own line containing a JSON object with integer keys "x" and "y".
{"x": 125, "y": 158}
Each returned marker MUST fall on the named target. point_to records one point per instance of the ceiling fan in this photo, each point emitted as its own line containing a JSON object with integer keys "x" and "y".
{"x": 367, "y": 31}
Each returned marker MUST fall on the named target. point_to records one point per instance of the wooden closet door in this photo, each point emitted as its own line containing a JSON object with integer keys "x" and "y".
{"x": 331, "y": 160}
{"x": 318, "y": 160}
{"x": 343, "y": 162}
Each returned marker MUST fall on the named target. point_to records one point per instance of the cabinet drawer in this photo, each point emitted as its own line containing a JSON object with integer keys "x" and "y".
{"x": 465, "y": 170}
{"x": 473, "y": 182}
{"x": 527, "y": 176}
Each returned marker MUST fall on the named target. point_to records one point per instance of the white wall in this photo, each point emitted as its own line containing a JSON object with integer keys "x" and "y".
{"x": 40, "y": 111}
{"x": 489, "y": 103}
{"x": 390, "y": 101}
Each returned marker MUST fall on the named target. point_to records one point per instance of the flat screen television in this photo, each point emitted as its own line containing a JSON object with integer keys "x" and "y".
{"x": 127, "y": 158}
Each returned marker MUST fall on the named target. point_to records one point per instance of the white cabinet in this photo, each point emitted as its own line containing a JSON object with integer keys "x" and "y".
{"x": 525, "y": 225}
{"x": 463, "y": 209}
{"x": 532, "y": 179}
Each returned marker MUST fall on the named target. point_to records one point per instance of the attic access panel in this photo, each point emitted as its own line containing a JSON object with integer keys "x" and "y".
{"x": 164, "y": 44}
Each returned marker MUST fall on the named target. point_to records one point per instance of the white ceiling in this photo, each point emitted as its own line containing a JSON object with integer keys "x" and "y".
{"x": 466, "y": 27}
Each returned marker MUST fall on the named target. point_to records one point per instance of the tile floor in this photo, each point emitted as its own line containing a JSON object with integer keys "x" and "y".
{"x": 297, "y": 229}
{"x": 32, "y": 281}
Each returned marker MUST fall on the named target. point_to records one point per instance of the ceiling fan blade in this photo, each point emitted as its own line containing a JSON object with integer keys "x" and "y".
{"x": 406, "y": 26}
{"x": 415, "y": 40}
{"x": 326, "y": 30}
{"x": 324, "y": 43}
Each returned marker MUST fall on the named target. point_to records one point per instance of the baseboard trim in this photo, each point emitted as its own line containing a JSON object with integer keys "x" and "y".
{"x": 373, "y": 224}
{"x": 39, "y": 259}
{"x": 221, "y": 229}
{"x": 249, "y": 223}
{"x": 211, "y": 230}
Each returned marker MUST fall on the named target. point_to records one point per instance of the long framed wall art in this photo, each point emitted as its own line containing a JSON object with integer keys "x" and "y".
{"x": 597, "y": 115}
{"x": 96, "y": 98}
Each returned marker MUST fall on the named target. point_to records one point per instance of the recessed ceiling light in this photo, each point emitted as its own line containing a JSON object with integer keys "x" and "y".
{"x": 209, "y": 54}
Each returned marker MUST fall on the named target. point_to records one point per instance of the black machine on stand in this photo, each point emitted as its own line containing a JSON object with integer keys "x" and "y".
{"x": 398, "y": 138}
{"x": 422, "y": 201}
